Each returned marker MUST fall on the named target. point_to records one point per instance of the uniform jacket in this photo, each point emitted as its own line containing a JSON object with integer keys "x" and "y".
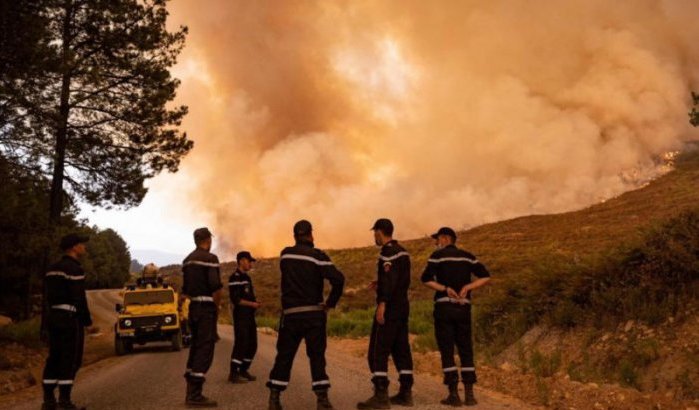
{"x": 304, "y": 268}
{"x": 393, "y": 279}
{"x": 240, "y": 288}
{"x": 452, "y": 267}
{"x": 201, "y": 274}
{"x": 64, "y": 284}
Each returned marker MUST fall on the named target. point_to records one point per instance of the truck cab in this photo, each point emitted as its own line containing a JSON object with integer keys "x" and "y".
{"x": 149, "y": 313}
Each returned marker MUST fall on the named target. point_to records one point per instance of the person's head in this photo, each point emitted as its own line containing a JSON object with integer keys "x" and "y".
{"x": 445, "y": 236}
{"x": 202, "y": 238}
{"x": 150, "y": 270}
{"x": 383, "y": 231}
{"x": 303, "y": 231}
{"x": 244, "y": 260}
{"x": 73, "y": 245}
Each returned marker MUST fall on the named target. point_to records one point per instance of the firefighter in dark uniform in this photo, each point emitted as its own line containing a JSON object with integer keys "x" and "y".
{"x": 243, "y": 304}
{"x": 389, "y": 332}
{"x": 65, "y": 316}
{"x": 448, "y": 272}
{"x": 304, "y": 269}
{"x": 202, "y": 285}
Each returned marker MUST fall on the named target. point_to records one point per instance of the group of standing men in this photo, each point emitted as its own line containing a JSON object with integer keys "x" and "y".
{"x": 304, "y": 269}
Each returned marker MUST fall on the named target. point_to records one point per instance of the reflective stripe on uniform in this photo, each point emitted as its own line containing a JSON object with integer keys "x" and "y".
{"x": 380, "y": 374}
{"x": 200, "y": 263}
{"x": 396, "y": 256}
{"x": 193, "y": 374}
{"x": 236, "y": 361}
{"x": 201, "y": 299}
{"x": 405, "y": 372}
{"x": 302, "y": 309}
{"x": 64, "y": 275}
{"x": 450, "y": 369}
{"x": 69, "y": 308}
{"x": 473, "y": 261}
{"x": 247, "y": 360}
{"x": 278, "y": 382}
{"x": 446, "y": 299}
{"x": 321, "y": 383}
{"x": 51, "y": 381}
{"x": 64, "y": 382}
{"x": 237, "y": 283}
{"x": 306, "y": 258}
{"x": 468, "y": 369}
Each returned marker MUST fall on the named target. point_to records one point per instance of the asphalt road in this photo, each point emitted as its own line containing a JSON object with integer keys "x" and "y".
{"x": 151, "y": 377}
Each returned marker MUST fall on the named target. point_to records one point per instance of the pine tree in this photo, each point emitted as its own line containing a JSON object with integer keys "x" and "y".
{"x": 87, "y": 102}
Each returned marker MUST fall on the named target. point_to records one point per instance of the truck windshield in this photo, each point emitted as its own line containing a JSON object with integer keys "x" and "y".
{"x": 149, "y": 298}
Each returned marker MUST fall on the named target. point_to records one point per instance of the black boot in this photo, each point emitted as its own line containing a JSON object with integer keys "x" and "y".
{"x": 453, "y": 398}
{"x": 403, "y": 398}
{"x": 378, "y": 401}
{"x": 246, "y": 375}
{"x": 235, "y": 377}
{"x": 469, "y": 399}
{"x": 49, "y": 398}
{"x": 323, "y": 400}
{"x": 274, "y": 401}
{"x": 64, "y": 400}
{"x": 194, "y": 396}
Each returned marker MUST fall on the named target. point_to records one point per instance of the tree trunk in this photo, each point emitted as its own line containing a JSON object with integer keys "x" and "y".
{"x": 56, "y": 202}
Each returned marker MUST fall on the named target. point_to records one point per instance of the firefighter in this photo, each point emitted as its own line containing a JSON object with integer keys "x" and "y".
{"x": 389, "y": 332}
{"x": 202, "y": 285}
{"x": 243, "y": 304}
{"x": 65, "y": 316}
{"x": 448, "y": 272}
{"x": 304, "y": 268}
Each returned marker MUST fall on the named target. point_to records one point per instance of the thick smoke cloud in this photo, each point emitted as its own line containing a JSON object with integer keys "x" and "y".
{"x": 430, "y": 113}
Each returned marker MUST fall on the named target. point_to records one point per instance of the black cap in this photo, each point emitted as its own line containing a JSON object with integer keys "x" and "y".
{"x": 244, "y": 255}
{"x": 445, "y": 230}
{"x": 201, "y": 234}
{"x": 302, "y": 227}
{"x": 384, "y": 225}
{"x": 71, "y": 240}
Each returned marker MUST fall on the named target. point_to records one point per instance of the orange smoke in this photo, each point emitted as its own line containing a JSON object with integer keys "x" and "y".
{"x": 431, "y": 114}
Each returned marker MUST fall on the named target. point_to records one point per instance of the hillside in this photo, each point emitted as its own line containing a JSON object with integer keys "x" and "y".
{"x": 563, "y": 286}
{"x": 515, "y": 247}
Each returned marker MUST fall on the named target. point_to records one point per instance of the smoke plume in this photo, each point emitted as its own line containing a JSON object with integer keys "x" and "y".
{"x": 430, "y": 113}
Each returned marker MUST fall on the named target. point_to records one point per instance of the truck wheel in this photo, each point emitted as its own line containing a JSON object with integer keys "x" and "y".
{"x": 120, "y": 346}
{"x": 177, "y": 342}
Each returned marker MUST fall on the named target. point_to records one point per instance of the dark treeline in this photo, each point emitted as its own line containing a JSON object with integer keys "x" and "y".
{"x": 28, "y": 242}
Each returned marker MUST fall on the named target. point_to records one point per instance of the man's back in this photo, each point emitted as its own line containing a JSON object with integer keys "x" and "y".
{"x": 303, "y": 270}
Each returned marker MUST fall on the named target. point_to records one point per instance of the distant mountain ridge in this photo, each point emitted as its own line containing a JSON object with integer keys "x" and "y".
{"x": 160, "y": 258}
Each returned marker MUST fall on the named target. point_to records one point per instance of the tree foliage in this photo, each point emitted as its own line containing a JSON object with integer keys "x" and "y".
{"x": 88, "y": 101}
{"x": 25, "y": 234}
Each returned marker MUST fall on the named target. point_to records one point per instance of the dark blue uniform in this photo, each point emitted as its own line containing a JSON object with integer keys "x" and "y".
{"x": 65, "y": 316}
{"x": 453, "y": 267}
{"x": 304, "y": 269}
{"x": 201, "y": 278}
{"x": 244, "y": 326}
{"x": 391, "y": 338}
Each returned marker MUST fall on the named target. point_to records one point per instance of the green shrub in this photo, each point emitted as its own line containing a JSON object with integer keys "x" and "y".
{"x": 26, "y": 332}
{"x": 627, "y": 374}
{"x": 543, "y": 365}
{"x": 271, "y": 322}
{"x": 425, "y": 343}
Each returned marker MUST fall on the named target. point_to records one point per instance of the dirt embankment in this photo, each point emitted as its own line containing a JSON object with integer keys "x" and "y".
{"x": 21, "y": 363}
{"x": 547, "y": 367}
